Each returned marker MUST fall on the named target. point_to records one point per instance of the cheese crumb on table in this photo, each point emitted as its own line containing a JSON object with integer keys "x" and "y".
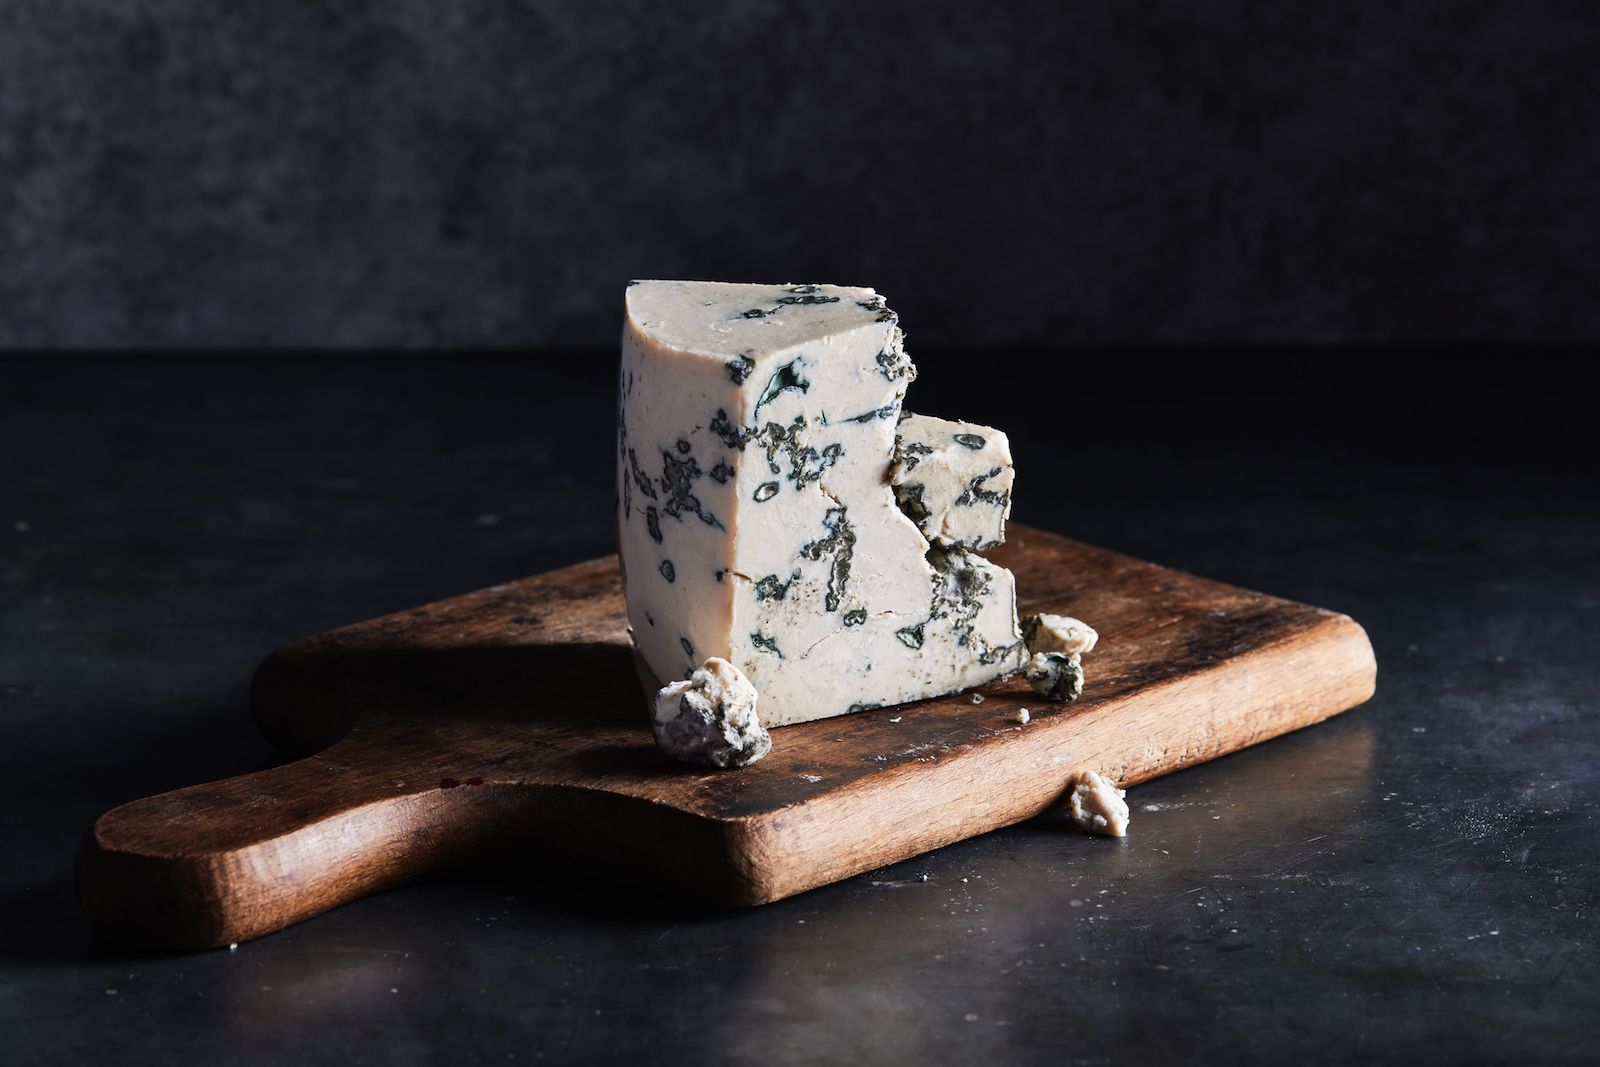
{"x": 1098, "y": 806}
{"x": 710, "y": 719}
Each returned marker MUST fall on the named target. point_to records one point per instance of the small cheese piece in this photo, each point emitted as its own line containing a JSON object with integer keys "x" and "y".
{"x": 710, "y": 719}
{"x": 1058, "y": 633}
{"x": 1055, "y": 676}
{"x": 1056, "y": 642}
{"x": 756, "y": 522}
{"x": 953, "y": 479}
{"x": 1098, "y": 807}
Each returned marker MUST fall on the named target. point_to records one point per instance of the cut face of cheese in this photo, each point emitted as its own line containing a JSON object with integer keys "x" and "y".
{"x": 756, "y": 523}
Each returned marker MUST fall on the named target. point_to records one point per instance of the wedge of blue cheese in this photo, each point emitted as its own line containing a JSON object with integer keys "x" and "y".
{"x": 756, "y": 519}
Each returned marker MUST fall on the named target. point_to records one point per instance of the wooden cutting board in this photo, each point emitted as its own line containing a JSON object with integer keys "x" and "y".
{"x": 512, "y": 719}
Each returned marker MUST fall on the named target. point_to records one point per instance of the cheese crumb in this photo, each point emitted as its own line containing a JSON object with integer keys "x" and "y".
{"x": 953, "y": 479}
{"x": 1058, "y": 633}
{"x": 1055, "y": 676}
{"x": 1022, "y": 716}
{"x": 710, "y": 719}
{"x": 1098, "y": 806}
{"x": 1056, "y": 642}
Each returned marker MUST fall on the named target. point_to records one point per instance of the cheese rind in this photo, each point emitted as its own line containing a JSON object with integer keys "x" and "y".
{"x": 953, "y": 479}
{"x": 756, "y": 522}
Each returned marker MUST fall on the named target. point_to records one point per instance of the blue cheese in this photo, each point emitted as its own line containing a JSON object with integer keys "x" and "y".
{"x": 953, "y": 479}
{"x": 1058, "y": 633}
{"x": 757, "y": 522}
{"x": 1055, "y": 676}
{"x": 710, "y": 718}
{"x": 1056, "y": 644}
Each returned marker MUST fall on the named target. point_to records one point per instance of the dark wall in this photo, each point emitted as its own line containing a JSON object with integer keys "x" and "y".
{"x": 490, "y": 172}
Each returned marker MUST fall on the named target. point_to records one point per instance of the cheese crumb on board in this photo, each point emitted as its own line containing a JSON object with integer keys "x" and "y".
{"x": 1098, "y": 806}
{"x": 1055, "y": 676}
{"x": 1058, "y": 633}
{"x": 756, "y": 430}
{"x": 1055, "y": 644}
{"x": 710, "y": 718}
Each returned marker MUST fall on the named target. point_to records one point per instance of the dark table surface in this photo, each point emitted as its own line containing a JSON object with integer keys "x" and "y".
{"x": 1415, "y": 880}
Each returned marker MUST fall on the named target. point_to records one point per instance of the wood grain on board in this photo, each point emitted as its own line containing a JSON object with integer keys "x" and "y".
{"x": 512, "y": 719}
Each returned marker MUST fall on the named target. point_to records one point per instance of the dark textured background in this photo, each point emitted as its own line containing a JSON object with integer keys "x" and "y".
{"x": 490, "y": 172}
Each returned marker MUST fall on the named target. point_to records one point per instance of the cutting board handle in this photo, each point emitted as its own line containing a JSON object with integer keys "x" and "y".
{"x": 225, "y": 862}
